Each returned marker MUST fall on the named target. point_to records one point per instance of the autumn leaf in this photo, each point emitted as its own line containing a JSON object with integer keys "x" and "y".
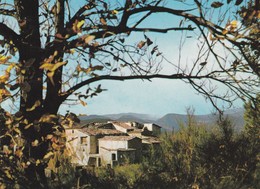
{"x": 4, "y": 78}
{"x": 224, "y": 32}
{"x": 8, "y": 174}
{"x": 89, "y": 38}
{"x": 6, "y": 150}
{"x": 4, "y": 59}
{"x": 37, "y": 162}
{"x": 233, "y": 24}
{"x": 3, "y": 94}
{"x": 19, "y": 153}
{"x": 103, "y": 21}
{"x": 52, "y": 67}
{"x": 216, "y": 4}
{"x": 77, "y": 26}
{"x": 35, "y": 143}
{"x": 36, "y": 104}
{"x": 98, "y": 67}
{"x": 87, "y": 71}
{"x": 141, "y": 44}
{"x": 114, "y": 12}
{"x": 28, "y": 126}
{"x": 83, "y": 103}
{"x": 48, "y": 155}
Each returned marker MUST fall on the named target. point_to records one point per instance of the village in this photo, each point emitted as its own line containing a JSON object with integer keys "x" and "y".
{"x": 110, "y": 143}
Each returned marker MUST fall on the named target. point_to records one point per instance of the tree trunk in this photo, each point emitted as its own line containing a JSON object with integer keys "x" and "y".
{"x": 31, "y": 81}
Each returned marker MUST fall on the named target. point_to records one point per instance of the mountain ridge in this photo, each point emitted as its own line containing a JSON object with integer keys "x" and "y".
{"x": 170, "y": 121}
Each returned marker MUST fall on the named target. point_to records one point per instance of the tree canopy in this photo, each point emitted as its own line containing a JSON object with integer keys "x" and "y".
{"x": 52, "y": 48}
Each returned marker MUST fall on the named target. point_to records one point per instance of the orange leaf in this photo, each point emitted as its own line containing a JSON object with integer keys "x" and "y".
{"x": 141, "y": 44}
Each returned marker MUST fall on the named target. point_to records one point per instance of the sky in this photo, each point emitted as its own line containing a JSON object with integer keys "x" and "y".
{"x": 158, "y": 97}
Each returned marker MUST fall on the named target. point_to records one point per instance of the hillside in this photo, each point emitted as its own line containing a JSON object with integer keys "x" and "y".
{"x": 169, "y": 121}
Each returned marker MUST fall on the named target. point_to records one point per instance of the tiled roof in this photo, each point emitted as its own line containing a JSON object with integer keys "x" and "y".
{"x": 117, "y": 138}
{"x": 95, "y": 131}
{"x": 150, "y": 140}
{"x": 123, "y": 125}
{"x": 119, "y": 149}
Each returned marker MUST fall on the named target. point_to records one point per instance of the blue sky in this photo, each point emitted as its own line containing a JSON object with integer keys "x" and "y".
{"x": 158, "y": 97}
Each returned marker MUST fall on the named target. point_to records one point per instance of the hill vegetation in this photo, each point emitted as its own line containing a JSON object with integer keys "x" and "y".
{"x": 191, "y": 157}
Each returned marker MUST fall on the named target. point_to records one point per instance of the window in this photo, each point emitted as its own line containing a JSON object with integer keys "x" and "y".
{"x": 113, "y": 156}
{"x": 83, "y": 140}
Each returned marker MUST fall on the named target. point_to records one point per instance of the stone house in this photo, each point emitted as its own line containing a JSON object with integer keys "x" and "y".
{"x": 83, "y": 143}
{"x": 122, "y": 126}
{"x": 110, "y": 143}
{"x": 155, "y": 129}
{"x": 120, "y": 149}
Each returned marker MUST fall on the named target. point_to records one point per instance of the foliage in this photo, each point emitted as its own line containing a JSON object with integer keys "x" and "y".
{"x": 193, "y": 157}
{"x": 16, "y": 163}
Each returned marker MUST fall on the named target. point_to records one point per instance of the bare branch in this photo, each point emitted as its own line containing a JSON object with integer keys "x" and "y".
{"x": 123, "y": 78}
{"x": 9, "y": 34}
{"x": 7, "y": 12}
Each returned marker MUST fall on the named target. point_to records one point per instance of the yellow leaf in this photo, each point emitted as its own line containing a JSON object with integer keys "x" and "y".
{"x": 8, "y": 174}
{"x": 4, "y": 78}
{"x": 4, "y": 59}
{"x": 17, "y": 130}
{"x": 48, "y": 155}
{"x": 83, "y": 103}
{"x": 72, "y": 51}
{"x": 6, "y": 150}
{"x": 28, "y": 126}
{"x": 233, "y": 24}
{"x": 35, "y": 143}
{"x": 52, "y": 67}
{"x": 19, "y": 153}
{"x": 37, "y": 162}
{"x": 25, "y": 121}
{"x": 55, "y": 53}
{"x": 89, "y": 38}
{"x": 87, "y": 71}
{"x": 10, "y": 67}
{"x": 141, "y": 44}
{"x": 3, "y": 94}
{"x": 50, "y": 76}
{"x": 36, "y": 104}
{"x": 114, "y": 12}
{"x": 46, "y": 66}
{"x": 80, "y": 24}
{"x": 57, "y": 65}
{"x": 224, "y": 32}
{"x": 49, "y": 136}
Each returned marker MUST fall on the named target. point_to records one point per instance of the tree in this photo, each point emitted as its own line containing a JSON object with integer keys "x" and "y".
{"x": 50, "y": 49}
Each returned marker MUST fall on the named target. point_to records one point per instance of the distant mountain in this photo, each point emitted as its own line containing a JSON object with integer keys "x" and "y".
{"x": 93, "y": 118}
{"x": 142, "y": 118}
{"x": 133, "y": 116}
{"x": 172, "y": 121}
{"x": 168, "y": 121}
